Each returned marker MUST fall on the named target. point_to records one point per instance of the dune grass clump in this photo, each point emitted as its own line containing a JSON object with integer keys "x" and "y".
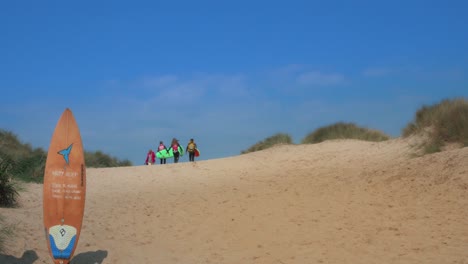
{"x": 280, "y": 138}
{"x": 98, "y": 159}
{"x": 441, "y": 123}
{"x": 8, "y": 192}
{"x": 29, "y": 163}
{"x": 6, "y": 231}
{"x": 26, "y": 163}
{"x": 343, "y": 130}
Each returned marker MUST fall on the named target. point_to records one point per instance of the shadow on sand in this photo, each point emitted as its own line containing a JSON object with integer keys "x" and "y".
{"x": 30, "y": 256}
{"x": 92, "y": 257}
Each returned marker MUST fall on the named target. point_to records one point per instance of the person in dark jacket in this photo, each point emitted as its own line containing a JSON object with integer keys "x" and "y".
{"x": 175, "y": 149}
{"x": 191, "y": 147}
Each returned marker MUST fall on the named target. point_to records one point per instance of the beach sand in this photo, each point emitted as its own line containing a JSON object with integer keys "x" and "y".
{"x": 341, "y": 201}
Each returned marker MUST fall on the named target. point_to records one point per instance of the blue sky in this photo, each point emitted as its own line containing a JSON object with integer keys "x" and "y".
{"x": 228, "y": 74}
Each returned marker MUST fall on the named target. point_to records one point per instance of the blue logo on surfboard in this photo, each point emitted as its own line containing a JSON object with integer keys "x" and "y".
{"x": 66, "y": 153}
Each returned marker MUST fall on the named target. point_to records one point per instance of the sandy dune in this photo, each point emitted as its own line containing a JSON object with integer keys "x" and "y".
{"x": 342, "y": 201}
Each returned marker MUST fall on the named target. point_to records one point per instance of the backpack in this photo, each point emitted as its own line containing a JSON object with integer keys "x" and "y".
{"x": 191, "y": 147}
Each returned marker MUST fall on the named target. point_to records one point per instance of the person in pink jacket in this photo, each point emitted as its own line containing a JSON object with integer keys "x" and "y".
{"x": 150, "y": 157}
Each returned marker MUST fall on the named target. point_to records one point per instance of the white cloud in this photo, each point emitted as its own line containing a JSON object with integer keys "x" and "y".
{"x": 421, "y": 73}
{"x": 319, "y": 78}
{"x": 159, "y": 81}
{"x": 377, "y": 72}
{"x": 289, "y": 70}
{"x": 237, "y": 108}
{"x": 223, "y": 85}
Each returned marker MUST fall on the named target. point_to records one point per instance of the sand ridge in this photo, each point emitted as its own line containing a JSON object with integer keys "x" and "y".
{"x": 341, "y": 201}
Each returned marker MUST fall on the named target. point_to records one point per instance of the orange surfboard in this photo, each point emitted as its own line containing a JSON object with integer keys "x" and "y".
{"x": 64, "y": 189}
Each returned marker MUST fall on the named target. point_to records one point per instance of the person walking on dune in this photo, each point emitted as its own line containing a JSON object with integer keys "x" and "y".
{"x": 191, "y": 146}
{"x": 162, "y": 147}
{"x": 175, "y": 149}
{"x": 150, "y": 157}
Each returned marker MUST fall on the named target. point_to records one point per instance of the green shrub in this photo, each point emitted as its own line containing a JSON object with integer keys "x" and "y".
{"x": 444, "y": 122}
{"x": 30, "y": 167}
{"x": 279, "y": 138}
{"x": 342, "y": 130}
{"x": 6, "y": 232}
{"x": 98, "y": 159}
{"x": 29, "y": 163}
{"x": 8, "y": 193}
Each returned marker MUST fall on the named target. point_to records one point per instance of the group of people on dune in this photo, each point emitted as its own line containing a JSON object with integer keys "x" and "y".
{"x": 176, "y": 150}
